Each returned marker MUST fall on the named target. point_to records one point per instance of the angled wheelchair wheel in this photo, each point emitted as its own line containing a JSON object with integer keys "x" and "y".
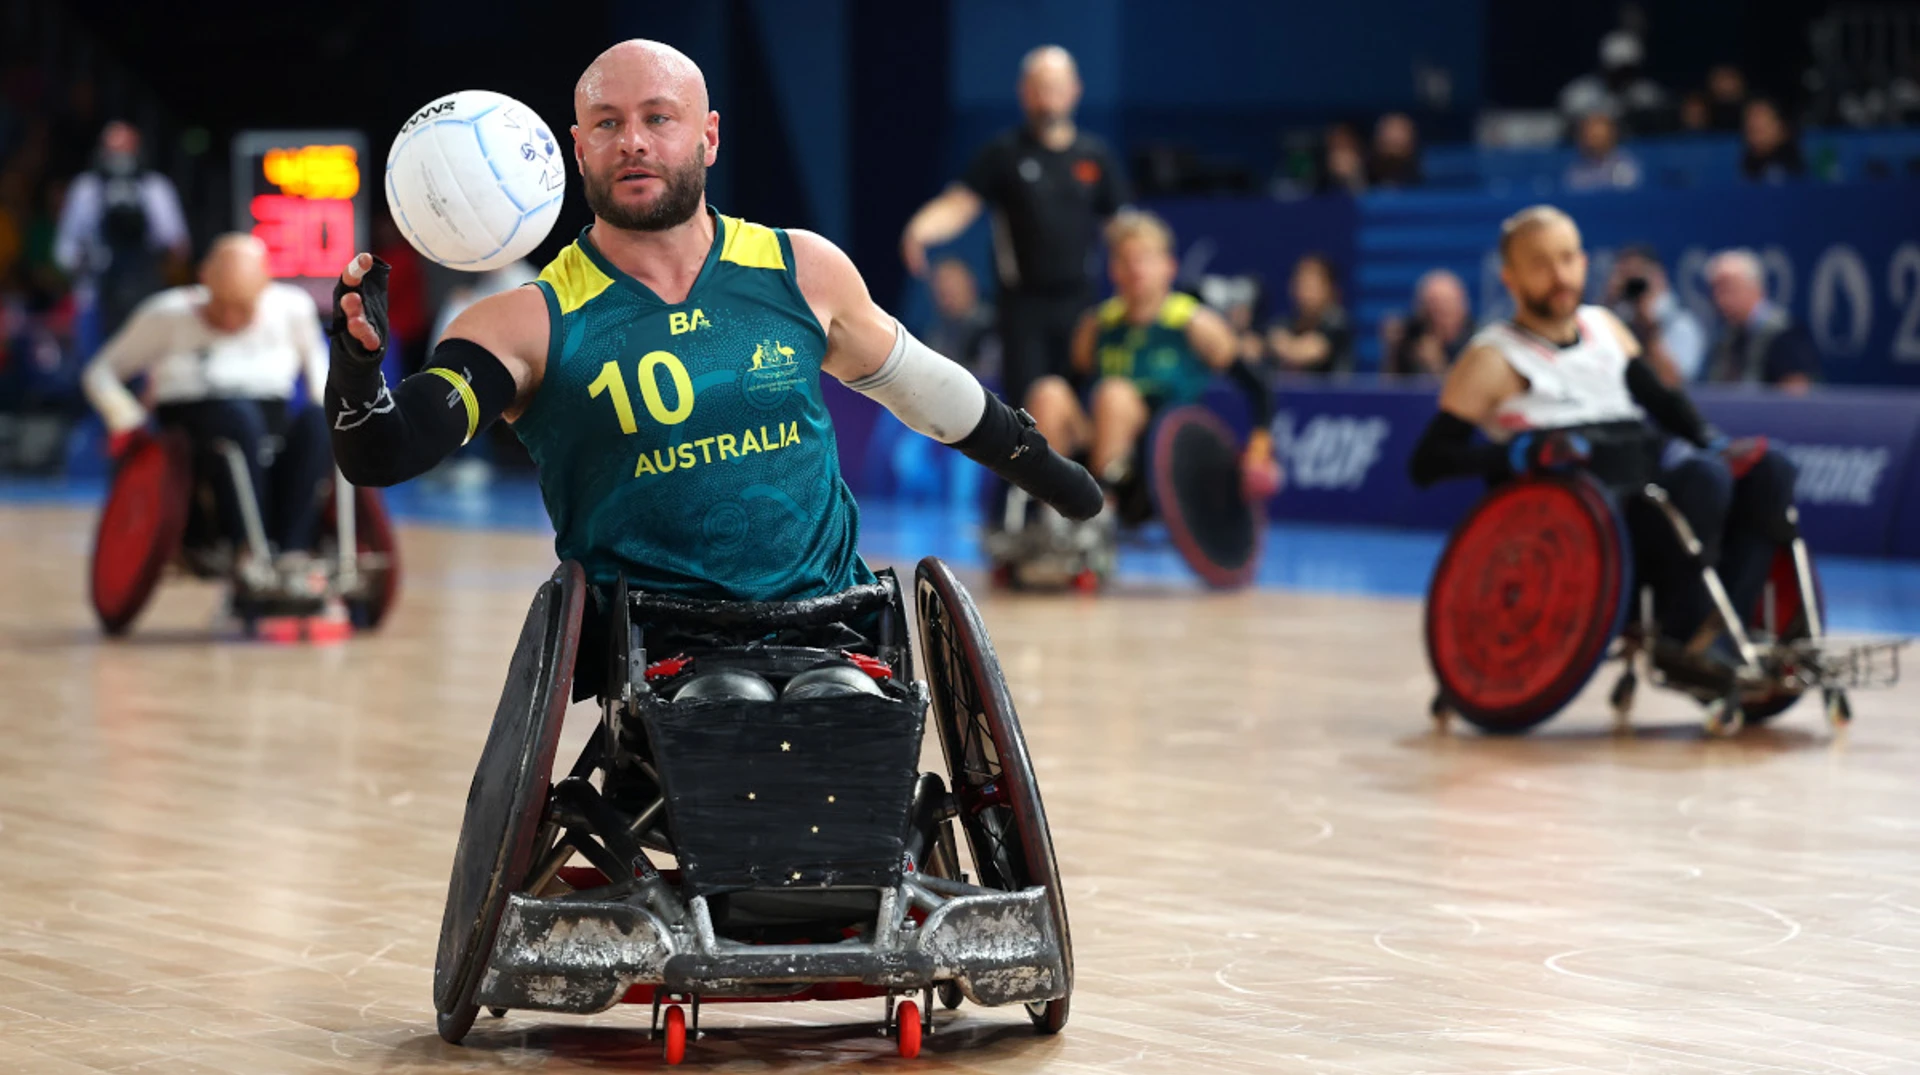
{"x": 989, "y": 769}
{"x": 1194, "y": 476}
{"x": 1532, "y": 589}
{"x": 140, "y": 528}
{"x": 508, "y": 796}
{"x": 378, "y": 552}
{"x": 1788, "y": 615}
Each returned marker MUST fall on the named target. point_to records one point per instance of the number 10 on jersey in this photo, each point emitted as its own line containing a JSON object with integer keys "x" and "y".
{"x": 612, "y": 382}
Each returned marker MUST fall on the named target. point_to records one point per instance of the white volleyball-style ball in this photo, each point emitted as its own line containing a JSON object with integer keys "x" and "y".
{"x": 475, "y": 180}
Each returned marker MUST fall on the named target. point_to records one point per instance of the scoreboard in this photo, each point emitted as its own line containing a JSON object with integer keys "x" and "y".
{"x": 302, "y": 194}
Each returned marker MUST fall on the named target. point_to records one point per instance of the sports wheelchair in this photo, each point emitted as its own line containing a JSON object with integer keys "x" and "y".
{"x": 1537, "y": 588}
{"x": 161, "y": 513}
{"x": 770, "y": 750}
{"x": 1187, "y": 475}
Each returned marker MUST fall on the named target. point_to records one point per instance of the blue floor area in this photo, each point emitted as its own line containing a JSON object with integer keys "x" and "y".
{"x": 1866, "y": 596}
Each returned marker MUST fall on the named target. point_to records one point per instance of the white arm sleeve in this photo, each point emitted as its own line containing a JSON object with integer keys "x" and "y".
{"x": 934, "y": 395}
{"x": 129, "y": 352}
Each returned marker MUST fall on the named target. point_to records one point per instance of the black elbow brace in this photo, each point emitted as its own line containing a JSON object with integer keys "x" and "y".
{"x": 1669, "y": 408}
{"x": 1446, "y": 450}
{"x": 1006, "y": 443}
{"x": 383, "y": 438}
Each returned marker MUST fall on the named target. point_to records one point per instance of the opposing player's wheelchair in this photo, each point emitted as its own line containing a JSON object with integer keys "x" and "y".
{"x": 1187, "y": 475}
{"x": 1537, "y": 588}
{"x": 161, "y": 514}
{"x": 751, "y": 816}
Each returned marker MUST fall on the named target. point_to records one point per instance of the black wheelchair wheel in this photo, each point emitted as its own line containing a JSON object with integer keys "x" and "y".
{"x": 1789, "y": 618}
{"x": 508, "y": 796}
{"x": 988, "y": 766}
{"x": 141, "y": 528}
{"x": 1194, "y": 469}
{"x": 1532, "y": 589}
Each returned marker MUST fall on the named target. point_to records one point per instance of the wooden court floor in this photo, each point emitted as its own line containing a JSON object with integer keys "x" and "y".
{"x": 222, "y": 857}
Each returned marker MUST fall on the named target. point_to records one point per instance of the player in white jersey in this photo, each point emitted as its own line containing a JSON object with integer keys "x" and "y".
{"x": 221, "y": 359}
{"x": 1561, "y": 384}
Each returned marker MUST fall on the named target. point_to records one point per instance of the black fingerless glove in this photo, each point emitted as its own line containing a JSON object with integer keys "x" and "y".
{"x": 344, "y": 349}
{"x": 1006, "y": 443}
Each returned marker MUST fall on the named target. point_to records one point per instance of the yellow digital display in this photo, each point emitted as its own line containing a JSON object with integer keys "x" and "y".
{"x": 300, "y": 194}
{"x": 313, "y": 171}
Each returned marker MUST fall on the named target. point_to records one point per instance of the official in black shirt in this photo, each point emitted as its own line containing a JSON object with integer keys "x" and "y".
{"x": 1051, "y": 187}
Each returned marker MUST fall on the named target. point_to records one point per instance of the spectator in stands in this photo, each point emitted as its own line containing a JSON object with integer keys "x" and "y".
{"x": 962, "y": 326}
{"x": 1602, "y": 164}
{"x": 1696, "y": 115}
{"x": 1241, "y": 300}
{"x": 1343, "y": 164}
{"x": 1670, "y": 336}
{"x": 1396, "y": 153}
{"x": 1726, "y": 96}
{"x": 1318, "y": 338}
{"x": 1772, "y": 152}
{"x": 1618, "y": 88}
{"x": 1427, "y": 344}
{"x": 120, "y": 224}
{"x": 1759, "y": 343}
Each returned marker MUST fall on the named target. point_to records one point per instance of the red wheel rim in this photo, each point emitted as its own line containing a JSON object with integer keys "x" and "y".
{"x": 140, "y": 529}
{"x": 907, "y": 1025}
{"x": 676, "y": 1034}
{"x": 1525, "y": 601}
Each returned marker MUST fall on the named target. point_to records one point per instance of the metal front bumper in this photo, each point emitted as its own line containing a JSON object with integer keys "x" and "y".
{"x": 581, "y": 956}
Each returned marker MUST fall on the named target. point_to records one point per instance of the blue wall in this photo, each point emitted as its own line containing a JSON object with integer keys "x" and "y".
{"x": 1222, "y": 77}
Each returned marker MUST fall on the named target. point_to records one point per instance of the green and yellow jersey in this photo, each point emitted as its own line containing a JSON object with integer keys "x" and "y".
{"x": 687, "y": 444}
{"x": 1155, "y": 356}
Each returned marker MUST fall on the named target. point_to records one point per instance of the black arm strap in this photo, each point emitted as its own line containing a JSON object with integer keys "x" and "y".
{"x": 1254, "y": 387}
{"x": 1446, "y": 450}
{"x": 1006, "y": 443}
{"x": 1669, "y": 408}
{"x": 384, "y": 438}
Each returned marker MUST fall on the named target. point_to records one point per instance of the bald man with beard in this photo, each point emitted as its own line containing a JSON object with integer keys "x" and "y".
{"x": 664, "y": 370}
{"x": 221, "y": 359}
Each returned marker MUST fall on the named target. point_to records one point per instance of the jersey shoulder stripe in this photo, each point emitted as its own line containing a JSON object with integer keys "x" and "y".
{"x": 573, "y": 279}
{"x": 751, "y": 246}
{"x": 1178, "y": 310}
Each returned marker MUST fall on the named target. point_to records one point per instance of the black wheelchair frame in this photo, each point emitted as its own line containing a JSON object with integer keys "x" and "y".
{"x": 871, "y": 902}
{"x": 162, "y": 502}
{"x": 1209, "y": 522}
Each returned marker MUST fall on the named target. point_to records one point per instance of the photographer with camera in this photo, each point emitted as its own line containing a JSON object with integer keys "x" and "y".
{"x": 1671, "y": 338}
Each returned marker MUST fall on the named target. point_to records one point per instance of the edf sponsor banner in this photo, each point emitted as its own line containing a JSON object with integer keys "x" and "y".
{"x": 1345, "y": 449}
{"x": 1852, "y": 449}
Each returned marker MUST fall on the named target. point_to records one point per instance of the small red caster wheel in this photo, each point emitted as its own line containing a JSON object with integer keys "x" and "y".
{"x": 676, "y": 1033}
{"x": 906, "y": 1028}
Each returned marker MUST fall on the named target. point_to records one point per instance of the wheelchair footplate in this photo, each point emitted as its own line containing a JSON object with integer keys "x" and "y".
{"x": 1037, "y": 548}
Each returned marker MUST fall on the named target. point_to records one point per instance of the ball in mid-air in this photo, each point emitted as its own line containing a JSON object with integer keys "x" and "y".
{"x": 475, "y": 180}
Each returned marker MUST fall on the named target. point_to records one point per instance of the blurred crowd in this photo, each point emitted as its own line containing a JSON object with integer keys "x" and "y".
{"x": 88, "y": 228}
